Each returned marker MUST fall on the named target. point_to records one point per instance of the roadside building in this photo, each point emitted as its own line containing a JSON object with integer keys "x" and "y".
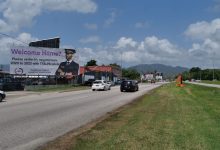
{"x": 150, "y": 76}
{"x": 108, "y": 73}
{"x": 159, "y": 76}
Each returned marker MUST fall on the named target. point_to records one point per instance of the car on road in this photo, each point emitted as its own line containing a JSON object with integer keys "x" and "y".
{"x": 2, "y": 95}
{"x": 11, "y": 84}
{"x": 89, "y": 82}
{"x": 129, "y": 85}
{"x": 100, "y": 85}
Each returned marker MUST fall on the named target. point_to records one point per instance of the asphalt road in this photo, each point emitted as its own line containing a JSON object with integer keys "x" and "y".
{"x": 205, "y": 84}
{"x": 30, "y": 120}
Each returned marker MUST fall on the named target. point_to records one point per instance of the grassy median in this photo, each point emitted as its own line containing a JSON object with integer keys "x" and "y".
{"x": 54, "y": 88}
{"x": 169, "y": 117}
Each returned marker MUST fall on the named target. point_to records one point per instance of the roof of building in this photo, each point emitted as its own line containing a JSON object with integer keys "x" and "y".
{"x": 84, "y": 69}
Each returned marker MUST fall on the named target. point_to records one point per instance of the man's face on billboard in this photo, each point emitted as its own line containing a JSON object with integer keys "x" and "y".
{"x": 69, "y": 55}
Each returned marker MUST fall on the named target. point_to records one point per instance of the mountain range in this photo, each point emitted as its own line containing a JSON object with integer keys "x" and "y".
{"x": 168, "y": 71}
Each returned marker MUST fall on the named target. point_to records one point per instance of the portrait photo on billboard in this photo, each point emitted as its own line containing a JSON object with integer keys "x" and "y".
{"x": 69, "y": 68}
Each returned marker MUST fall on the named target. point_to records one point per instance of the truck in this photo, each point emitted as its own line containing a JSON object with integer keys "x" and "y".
{"x": 11, "y": 84}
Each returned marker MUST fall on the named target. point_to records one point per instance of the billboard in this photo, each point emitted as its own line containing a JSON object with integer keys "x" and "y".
{"x": 35, "y": 60}
{"x": 50, "y": 43}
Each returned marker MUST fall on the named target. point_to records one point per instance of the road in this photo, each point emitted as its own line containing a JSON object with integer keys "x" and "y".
{"x": 205, "y": 84}
{"x": 29, "y": 121}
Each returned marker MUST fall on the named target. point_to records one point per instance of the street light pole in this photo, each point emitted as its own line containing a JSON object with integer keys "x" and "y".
{"x": 121, "y": 65}
{"x": 201, "y": 75}
{"x": 213, "y": 70}
{"x": 213, "y": 73}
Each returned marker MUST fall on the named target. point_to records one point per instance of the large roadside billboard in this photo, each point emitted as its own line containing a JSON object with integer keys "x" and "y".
{"x": 35, "y": 60}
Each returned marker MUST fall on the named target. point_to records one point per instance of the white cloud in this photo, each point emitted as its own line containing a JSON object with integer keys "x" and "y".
{"x": 131, "y": 52}
{"x": 159, "y": 46}
{"x": 20, "y": 13}
{"x": 208, "y": 48}
{"x": 141, "y": 25}
{"x": 91, "y": 39}
{"x": 90, "y": 26}
{"x": 152, "y": 49}
{"x": 82, "y": 6}
{"x": 203, "y": 29}
{"x": 7, "y": 42}
{"x": 205, "y": 51}
{"x": 125, "y": 42}
{"x": 111, "y": 19}
{"x": 216, "y": 7}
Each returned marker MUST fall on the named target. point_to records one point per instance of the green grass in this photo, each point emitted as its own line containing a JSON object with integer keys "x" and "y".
{"x": 211, "y": 82}
{"x": 169, "y": 117}
{"x": 53, "y": 88}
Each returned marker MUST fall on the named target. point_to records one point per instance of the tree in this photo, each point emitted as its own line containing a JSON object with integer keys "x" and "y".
{"x": 92, "y": 62}
{"x": 130, "y": 74}
{"x": 195, "y": 73}
{"x": 115, "y": 65}
{"x": 195, "y": 69}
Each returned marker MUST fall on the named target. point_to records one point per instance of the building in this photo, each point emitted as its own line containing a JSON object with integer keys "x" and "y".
{"x": 147, "y": 76}
{"x": 159, "y": 76}
{"x": 108, "y": 73}
{"x": 152, "y": 76}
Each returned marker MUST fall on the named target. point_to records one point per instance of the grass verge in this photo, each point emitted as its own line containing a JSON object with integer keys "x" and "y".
{"x": 169, "y": 117}
{"x": 54, "y": 88}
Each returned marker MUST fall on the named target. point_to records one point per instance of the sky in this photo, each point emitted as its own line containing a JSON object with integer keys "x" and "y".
{"x": 127, "y": 32}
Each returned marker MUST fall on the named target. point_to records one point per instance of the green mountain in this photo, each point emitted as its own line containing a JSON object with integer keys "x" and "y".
{"x": 168, "y": 71}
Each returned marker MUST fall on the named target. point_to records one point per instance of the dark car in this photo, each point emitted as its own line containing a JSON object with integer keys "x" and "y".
{"x": 11, "y": 84}
{"x": 2, "y": 95}
{"x": 129, "y": 85}
{"x": 89, "y": 82}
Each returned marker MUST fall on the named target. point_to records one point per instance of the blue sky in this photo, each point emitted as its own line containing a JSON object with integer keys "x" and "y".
{"x": 175, "y": 32}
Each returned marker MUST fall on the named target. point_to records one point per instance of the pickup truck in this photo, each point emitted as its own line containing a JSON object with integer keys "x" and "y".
{"x": 10, "y": 84}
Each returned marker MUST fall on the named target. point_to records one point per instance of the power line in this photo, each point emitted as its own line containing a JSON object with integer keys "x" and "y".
{"x": 14, "y": 38}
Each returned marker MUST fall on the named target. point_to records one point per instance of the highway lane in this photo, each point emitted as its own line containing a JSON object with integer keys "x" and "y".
{"x": 27, "y": 122}
{"x": 205, "y": 84}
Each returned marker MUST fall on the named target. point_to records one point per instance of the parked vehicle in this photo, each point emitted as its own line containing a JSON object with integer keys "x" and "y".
{"x": 10, "y": 84}
{"x": 111, "y": 83}
{"x": 43, "y": 81}
{"x": 152, "y": 81}
{"x": 100, "y": 85}
{"x": 2, "y": 95}
{"x": 89, "y": 82}
{"x": 129, "y": 85}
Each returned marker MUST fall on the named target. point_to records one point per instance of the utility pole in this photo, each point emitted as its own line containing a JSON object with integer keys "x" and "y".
{"x": 201, "y": 75}
{"x": 121, "y": 65}
{"x": 213, "y": 73}
{"x": 213, "y": 70}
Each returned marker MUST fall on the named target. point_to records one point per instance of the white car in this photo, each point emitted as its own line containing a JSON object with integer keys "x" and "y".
{"x": 2, "y": 95}
{"x": 100, "y": 85}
